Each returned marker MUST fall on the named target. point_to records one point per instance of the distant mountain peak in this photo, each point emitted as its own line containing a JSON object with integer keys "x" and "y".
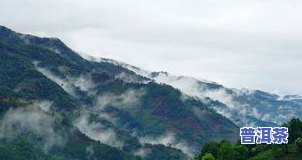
{"x": 242, "y": 106}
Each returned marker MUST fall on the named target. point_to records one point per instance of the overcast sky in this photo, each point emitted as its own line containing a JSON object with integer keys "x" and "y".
{"x": 253, "y": 44}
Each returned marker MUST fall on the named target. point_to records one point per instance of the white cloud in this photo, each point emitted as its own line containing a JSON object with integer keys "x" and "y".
{"x": 98, "y": 132}
{"x": 129, "y": 78}
{"x": 44, "y": 106}
{"x": 21, "y": 121}
{"x": 129, "y": 98}
{"x": 69, "y": 84}
{"x": 168, "y": 139}
{"x": 253, "y": 43}
{"x": 142, "y": 152}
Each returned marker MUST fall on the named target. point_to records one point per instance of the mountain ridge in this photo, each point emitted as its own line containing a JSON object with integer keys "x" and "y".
{"x": 98, "y": 103}
{"x": 227, "y": 96}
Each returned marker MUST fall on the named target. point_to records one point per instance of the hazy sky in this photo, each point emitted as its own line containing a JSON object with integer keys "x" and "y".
{"x": 239, "y": 43}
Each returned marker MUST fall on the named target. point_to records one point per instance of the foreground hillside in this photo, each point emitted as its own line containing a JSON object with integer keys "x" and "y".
{"x": 225, "y": 151}
{"x": 56, "y": 105}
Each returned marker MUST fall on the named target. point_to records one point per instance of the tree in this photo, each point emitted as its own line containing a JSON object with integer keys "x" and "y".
{"x": 210, "y": 147}
{"x": 298, "y": 143}
{"x": 294, "y": 129}
{"x": 241, "y": 152}
{"x": 208, "y": 156}
{"x": 225, "y": 151}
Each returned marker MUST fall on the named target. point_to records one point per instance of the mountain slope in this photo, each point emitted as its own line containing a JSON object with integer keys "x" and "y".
{"x": 244, "y": 107}
{"x": 88, "y": 105}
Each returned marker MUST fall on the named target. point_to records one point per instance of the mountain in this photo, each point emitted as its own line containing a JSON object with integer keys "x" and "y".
{"x": 54, "y": 104}
{"x": 243, "y": 106}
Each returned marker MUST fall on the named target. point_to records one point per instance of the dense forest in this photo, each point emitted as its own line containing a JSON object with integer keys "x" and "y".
{"x": 56, "y": 105}
{"x": 224, "y": 150}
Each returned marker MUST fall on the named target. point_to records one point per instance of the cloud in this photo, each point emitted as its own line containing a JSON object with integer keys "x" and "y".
{"x": 129, "y": 78}
{"x": 142, "y": 152}
{"x": 169, "y": 139}
{"x": 98, "y": 132}
{"x": 83, "y": 82}
{"x": 44, "y": 106}
{"x": 60, "y": 81}
{"x": 90, "y": 152}
{"x": 254, "y": 43}
{"x": 27, "y": 121}
{"x": 124, "y": 101}
{"x": 129, "y": 98}
{"x": 69, "y": 84}
{"x": 237, "y": 111}
{"x": 197, "y": 88}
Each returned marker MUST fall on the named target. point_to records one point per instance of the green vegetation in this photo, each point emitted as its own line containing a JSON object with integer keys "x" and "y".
{"x": 22, "y": 149}
{"x": 161, "y": 108}
{"x": 224, "y": 150}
